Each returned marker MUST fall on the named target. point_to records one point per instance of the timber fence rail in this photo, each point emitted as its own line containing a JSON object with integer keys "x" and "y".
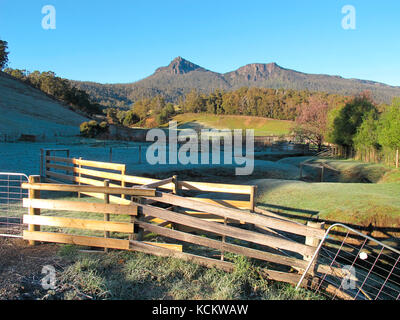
{"x": 72, "y": 170}
{"x": 252, "y": 244}
{"x": 173, "y": 209}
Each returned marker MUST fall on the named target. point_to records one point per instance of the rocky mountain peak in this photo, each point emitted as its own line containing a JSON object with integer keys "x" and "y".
{"x": 180, "y": 66}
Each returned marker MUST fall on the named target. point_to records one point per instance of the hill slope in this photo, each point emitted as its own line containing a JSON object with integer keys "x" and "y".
{"x": 26, "y": 110}
{"x": 180, "y": 76}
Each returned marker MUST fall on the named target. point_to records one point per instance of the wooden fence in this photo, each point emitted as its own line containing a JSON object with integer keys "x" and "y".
{"x": 129, "y": 208}
{"x": 71, "y": 170}
{"x": 253, "y": 244}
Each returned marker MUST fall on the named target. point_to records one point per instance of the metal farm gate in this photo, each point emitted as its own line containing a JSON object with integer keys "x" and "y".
{"x": 365, "y": 268}
{"x": 11, "y": 209}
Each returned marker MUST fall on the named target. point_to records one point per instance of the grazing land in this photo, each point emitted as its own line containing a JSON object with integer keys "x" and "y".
{"x": 26, "y": 110}
{"x": 261, "y": 126}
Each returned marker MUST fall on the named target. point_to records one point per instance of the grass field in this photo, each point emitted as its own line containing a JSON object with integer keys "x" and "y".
{"x": 359, "y": 203}
{"x": 261, "y": 126}
{"x": 345, "y": 200}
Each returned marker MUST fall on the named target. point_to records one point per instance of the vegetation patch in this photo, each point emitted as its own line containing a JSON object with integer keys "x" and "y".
{"x": 261, "y": 126}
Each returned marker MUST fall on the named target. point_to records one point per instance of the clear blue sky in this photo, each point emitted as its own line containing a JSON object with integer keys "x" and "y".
{"x": 123, "y": 41}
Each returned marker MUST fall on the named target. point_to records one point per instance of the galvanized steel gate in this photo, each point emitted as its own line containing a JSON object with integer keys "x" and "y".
{"x": 365, "y": 268}
{"x": 11, "y": 209}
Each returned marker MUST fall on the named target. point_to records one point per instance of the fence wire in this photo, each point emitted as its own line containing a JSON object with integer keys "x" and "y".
{"x": 11, "y": 209}
{"x": 360, "y": 267}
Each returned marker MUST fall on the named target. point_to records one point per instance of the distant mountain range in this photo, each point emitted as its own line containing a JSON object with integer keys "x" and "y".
{"x": 181, "y": 76}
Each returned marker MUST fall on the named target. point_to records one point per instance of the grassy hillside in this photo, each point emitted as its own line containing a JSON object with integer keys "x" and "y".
{"x": 261, "y": 126}
{"x": 26, "y": 110}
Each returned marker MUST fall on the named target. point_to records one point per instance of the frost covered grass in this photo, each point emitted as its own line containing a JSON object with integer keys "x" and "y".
{"x": 24, "y": 157}
{"x": 129, "y": 275}
{"x": 26, "y": 110}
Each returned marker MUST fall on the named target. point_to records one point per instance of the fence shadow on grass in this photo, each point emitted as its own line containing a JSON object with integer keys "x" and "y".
{"x": 386, "y": 233}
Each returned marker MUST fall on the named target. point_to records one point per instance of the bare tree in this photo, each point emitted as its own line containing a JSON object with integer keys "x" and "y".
{"x": 311, "y": 122}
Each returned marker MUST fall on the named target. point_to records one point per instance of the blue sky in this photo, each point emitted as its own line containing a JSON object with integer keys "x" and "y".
{"x": 124, "y": 41}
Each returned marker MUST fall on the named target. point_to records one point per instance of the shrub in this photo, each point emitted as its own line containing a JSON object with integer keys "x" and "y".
{"x": 130, "y": 118}
{"x": 92, "y": 128}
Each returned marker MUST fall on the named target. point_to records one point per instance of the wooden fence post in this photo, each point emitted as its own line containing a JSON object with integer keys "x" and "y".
{"x": 123, "y": 180}
{"x": 397, "y": 158}
{"x": 301, "y": 171}
{"x": 138, "y": 231}
{"x": 34, "y": 194}
{"x": 67, "y": 152}
{"x": 106, "y": 215}
{"x": 312, "y": 241}
{"x": 175, "y": 190}
{"x": 223, "y": 241}
{"x": 79, "y": 176}
{"x": 41, "y": 162}
{"x": 252, "y": 198}
{"x": 322, "y": 173}
{"x": 47, "y": 154}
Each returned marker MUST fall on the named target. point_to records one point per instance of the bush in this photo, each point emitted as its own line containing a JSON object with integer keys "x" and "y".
{"x": 92, "y": 128}
{"x": 130, "y": 118}
{"x": 165, "y": 114}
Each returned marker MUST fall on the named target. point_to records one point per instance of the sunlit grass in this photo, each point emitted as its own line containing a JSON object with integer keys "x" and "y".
{"x": 261, "y": 126}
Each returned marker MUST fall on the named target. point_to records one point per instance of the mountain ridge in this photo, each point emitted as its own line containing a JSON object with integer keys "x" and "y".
{"x": 181, "y": 76}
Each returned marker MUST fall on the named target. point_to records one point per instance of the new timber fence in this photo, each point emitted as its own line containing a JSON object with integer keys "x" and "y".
{"x": 129, "y": 234}
{"x": 106, "y": 208}
{"x": 168, "y": 208}
{"x": 72, "y": 170}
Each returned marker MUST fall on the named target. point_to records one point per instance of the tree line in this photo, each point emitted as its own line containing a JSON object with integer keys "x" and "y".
{"x": 143, "y": 113}
{"x": 282, "y": 104}
{"x": 372, "y": 130}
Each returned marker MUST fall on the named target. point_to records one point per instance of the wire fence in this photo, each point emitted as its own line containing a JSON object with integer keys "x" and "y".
{"x": 11, "y": 209}
{"x": 359, "y": 269}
